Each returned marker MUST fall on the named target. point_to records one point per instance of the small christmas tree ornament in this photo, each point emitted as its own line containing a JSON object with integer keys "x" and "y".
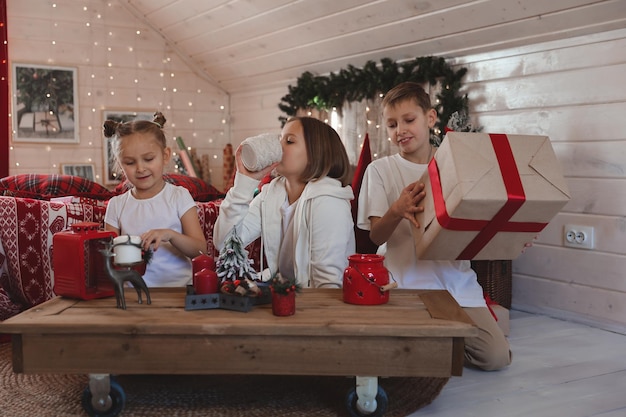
{"x": 234, "y": 268}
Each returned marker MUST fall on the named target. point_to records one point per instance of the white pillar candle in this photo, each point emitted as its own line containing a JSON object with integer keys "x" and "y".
{"x": 127, "y": 250}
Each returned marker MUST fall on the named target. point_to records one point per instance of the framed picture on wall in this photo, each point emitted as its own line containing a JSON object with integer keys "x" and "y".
{"x": 80, "y": 170}
{"x": 45, "y": 104}
{"x": 111, "y": 173}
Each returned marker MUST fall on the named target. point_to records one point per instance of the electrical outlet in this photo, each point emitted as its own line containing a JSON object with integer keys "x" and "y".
{"x": 576, "y": 236}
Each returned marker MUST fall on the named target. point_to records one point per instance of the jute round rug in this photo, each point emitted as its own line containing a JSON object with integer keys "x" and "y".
{"x": 47, "y": 395}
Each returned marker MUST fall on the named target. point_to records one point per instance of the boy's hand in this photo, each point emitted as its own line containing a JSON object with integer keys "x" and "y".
{"x": 406, "y": 206}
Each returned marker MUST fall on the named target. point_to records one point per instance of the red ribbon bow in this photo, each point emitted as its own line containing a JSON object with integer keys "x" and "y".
{"x": 487, "y": 229}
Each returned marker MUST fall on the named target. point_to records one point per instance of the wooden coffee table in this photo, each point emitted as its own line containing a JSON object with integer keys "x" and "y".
{"x": 417, "y": 334}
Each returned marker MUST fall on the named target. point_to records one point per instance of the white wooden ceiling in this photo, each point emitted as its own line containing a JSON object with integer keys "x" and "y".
{"x": 253, "y": 44}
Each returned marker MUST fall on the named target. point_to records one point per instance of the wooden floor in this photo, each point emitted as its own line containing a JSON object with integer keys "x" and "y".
{"x": 559, "y": 369}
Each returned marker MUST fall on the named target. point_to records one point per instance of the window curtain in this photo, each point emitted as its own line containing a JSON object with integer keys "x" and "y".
{"x": 357, "y": 119}
{"x": 352, "y": 122}
{"x": 4, "y": 92}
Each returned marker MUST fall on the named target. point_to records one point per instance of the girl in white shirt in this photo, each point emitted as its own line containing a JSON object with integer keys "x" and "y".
{"x": 303, "y": 216}
{"x": 162, "y": 214}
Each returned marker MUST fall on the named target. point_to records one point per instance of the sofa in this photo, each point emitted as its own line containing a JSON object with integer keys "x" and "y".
{"x": 30, "y": 216}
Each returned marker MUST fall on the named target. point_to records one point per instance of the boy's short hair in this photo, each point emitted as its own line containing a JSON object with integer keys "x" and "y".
{"x": 406, "y": 91}
{"x": 325, "y": 151}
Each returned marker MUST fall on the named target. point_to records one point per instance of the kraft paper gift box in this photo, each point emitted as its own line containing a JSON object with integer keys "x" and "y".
{"x": 488, "y": 196}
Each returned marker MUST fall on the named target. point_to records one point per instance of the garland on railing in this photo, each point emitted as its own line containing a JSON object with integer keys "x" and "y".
{"x": 355, "y": 84}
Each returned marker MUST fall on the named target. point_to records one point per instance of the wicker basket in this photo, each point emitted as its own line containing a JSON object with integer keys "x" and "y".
{"x": 496, "y": 279}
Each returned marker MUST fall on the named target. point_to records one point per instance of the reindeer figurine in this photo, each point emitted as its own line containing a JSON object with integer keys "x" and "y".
{"x": 120, "y": 276}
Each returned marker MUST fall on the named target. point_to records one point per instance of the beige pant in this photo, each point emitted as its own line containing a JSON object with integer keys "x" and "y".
{"x": 490, "y": 350}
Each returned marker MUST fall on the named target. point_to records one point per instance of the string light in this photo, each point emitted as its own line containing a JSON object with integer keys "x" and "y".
{"x": 109, "y": 81}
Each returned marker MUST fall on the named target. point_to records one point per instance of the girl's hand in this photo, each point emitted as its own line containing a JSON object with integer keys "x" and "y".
{"x": 406, "y": 206}
{"x": 259, "y": 175}
{"x": 153, "y": 238}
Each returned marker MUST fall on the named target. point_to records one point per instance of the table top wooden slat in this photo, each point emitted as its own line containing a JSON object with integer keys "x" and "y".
{"x": 325, "y": 337}
{"x": 319, "y": 312}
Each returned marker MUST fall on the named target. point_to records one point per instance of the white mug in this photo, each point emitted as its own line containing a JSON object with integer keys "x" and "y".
{"x": 261, "y": 151}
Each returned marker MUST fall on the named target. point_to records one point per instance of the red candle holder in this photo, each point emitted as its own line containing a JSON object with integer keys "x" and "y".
{"x": 284, "y": 304}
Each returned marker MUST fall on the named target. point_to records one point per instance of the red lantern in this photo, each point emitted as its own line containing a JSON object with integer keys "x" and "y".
{"x": 366, "y": 280}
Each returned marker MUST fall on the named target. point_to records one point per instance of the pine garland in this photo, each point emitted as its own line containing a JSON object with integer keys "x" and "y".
{"x": 282, "y": 285}
{"x": 355, "y": 84}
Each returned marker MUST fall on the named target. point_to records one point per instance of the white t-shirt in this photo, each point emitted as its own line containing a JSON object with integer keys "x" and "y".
{"x": 383, "y": 182}
{"x": 168, "y": 266}
{"x": 286, "y": 258}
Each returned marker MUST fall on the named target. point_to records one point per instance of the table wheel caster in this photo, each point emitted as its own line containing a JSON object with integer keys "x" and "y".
{"x": 103, "y": 397}
{"x": 367, "y": 399}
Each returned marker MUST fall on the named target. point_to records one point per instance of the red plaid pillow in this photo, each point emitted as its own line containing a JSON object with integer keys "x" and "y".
{"x": 47, "y": 186}
{"x": 199, "y": 190}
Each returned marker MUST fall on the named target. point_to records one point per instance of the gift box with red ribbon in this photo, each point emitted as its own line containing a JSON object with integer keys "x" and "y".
{"x": 488, "y": 196}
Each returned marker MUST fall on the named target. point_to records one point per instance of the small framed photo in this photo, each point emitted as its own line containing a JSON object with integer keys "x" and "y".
{"x": 87, "y": 171}
{"x": 111, "y": 173}
{"x": 45, "y": 104}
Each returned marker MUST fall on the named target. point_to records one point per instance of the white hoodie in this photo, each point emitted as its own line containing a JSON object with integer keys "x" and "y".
{"x": 323, "y": 228}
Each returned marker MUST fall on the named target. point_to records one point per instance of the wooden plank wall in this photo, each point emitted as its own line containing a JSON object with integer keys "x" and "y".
{"x": 574, "y": 92}
{"x": 117, "y": 66}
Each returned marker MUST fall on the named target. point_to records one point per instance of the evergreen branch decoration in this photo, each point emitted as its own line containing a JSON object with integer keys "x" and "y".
{"x": 355, "y": 84}
{"x": 282, "y": 285}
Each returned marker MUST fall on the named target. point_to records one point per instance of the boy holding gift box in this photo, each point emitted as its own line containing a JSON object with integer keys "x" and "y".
{"x": 409, "y": 116}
